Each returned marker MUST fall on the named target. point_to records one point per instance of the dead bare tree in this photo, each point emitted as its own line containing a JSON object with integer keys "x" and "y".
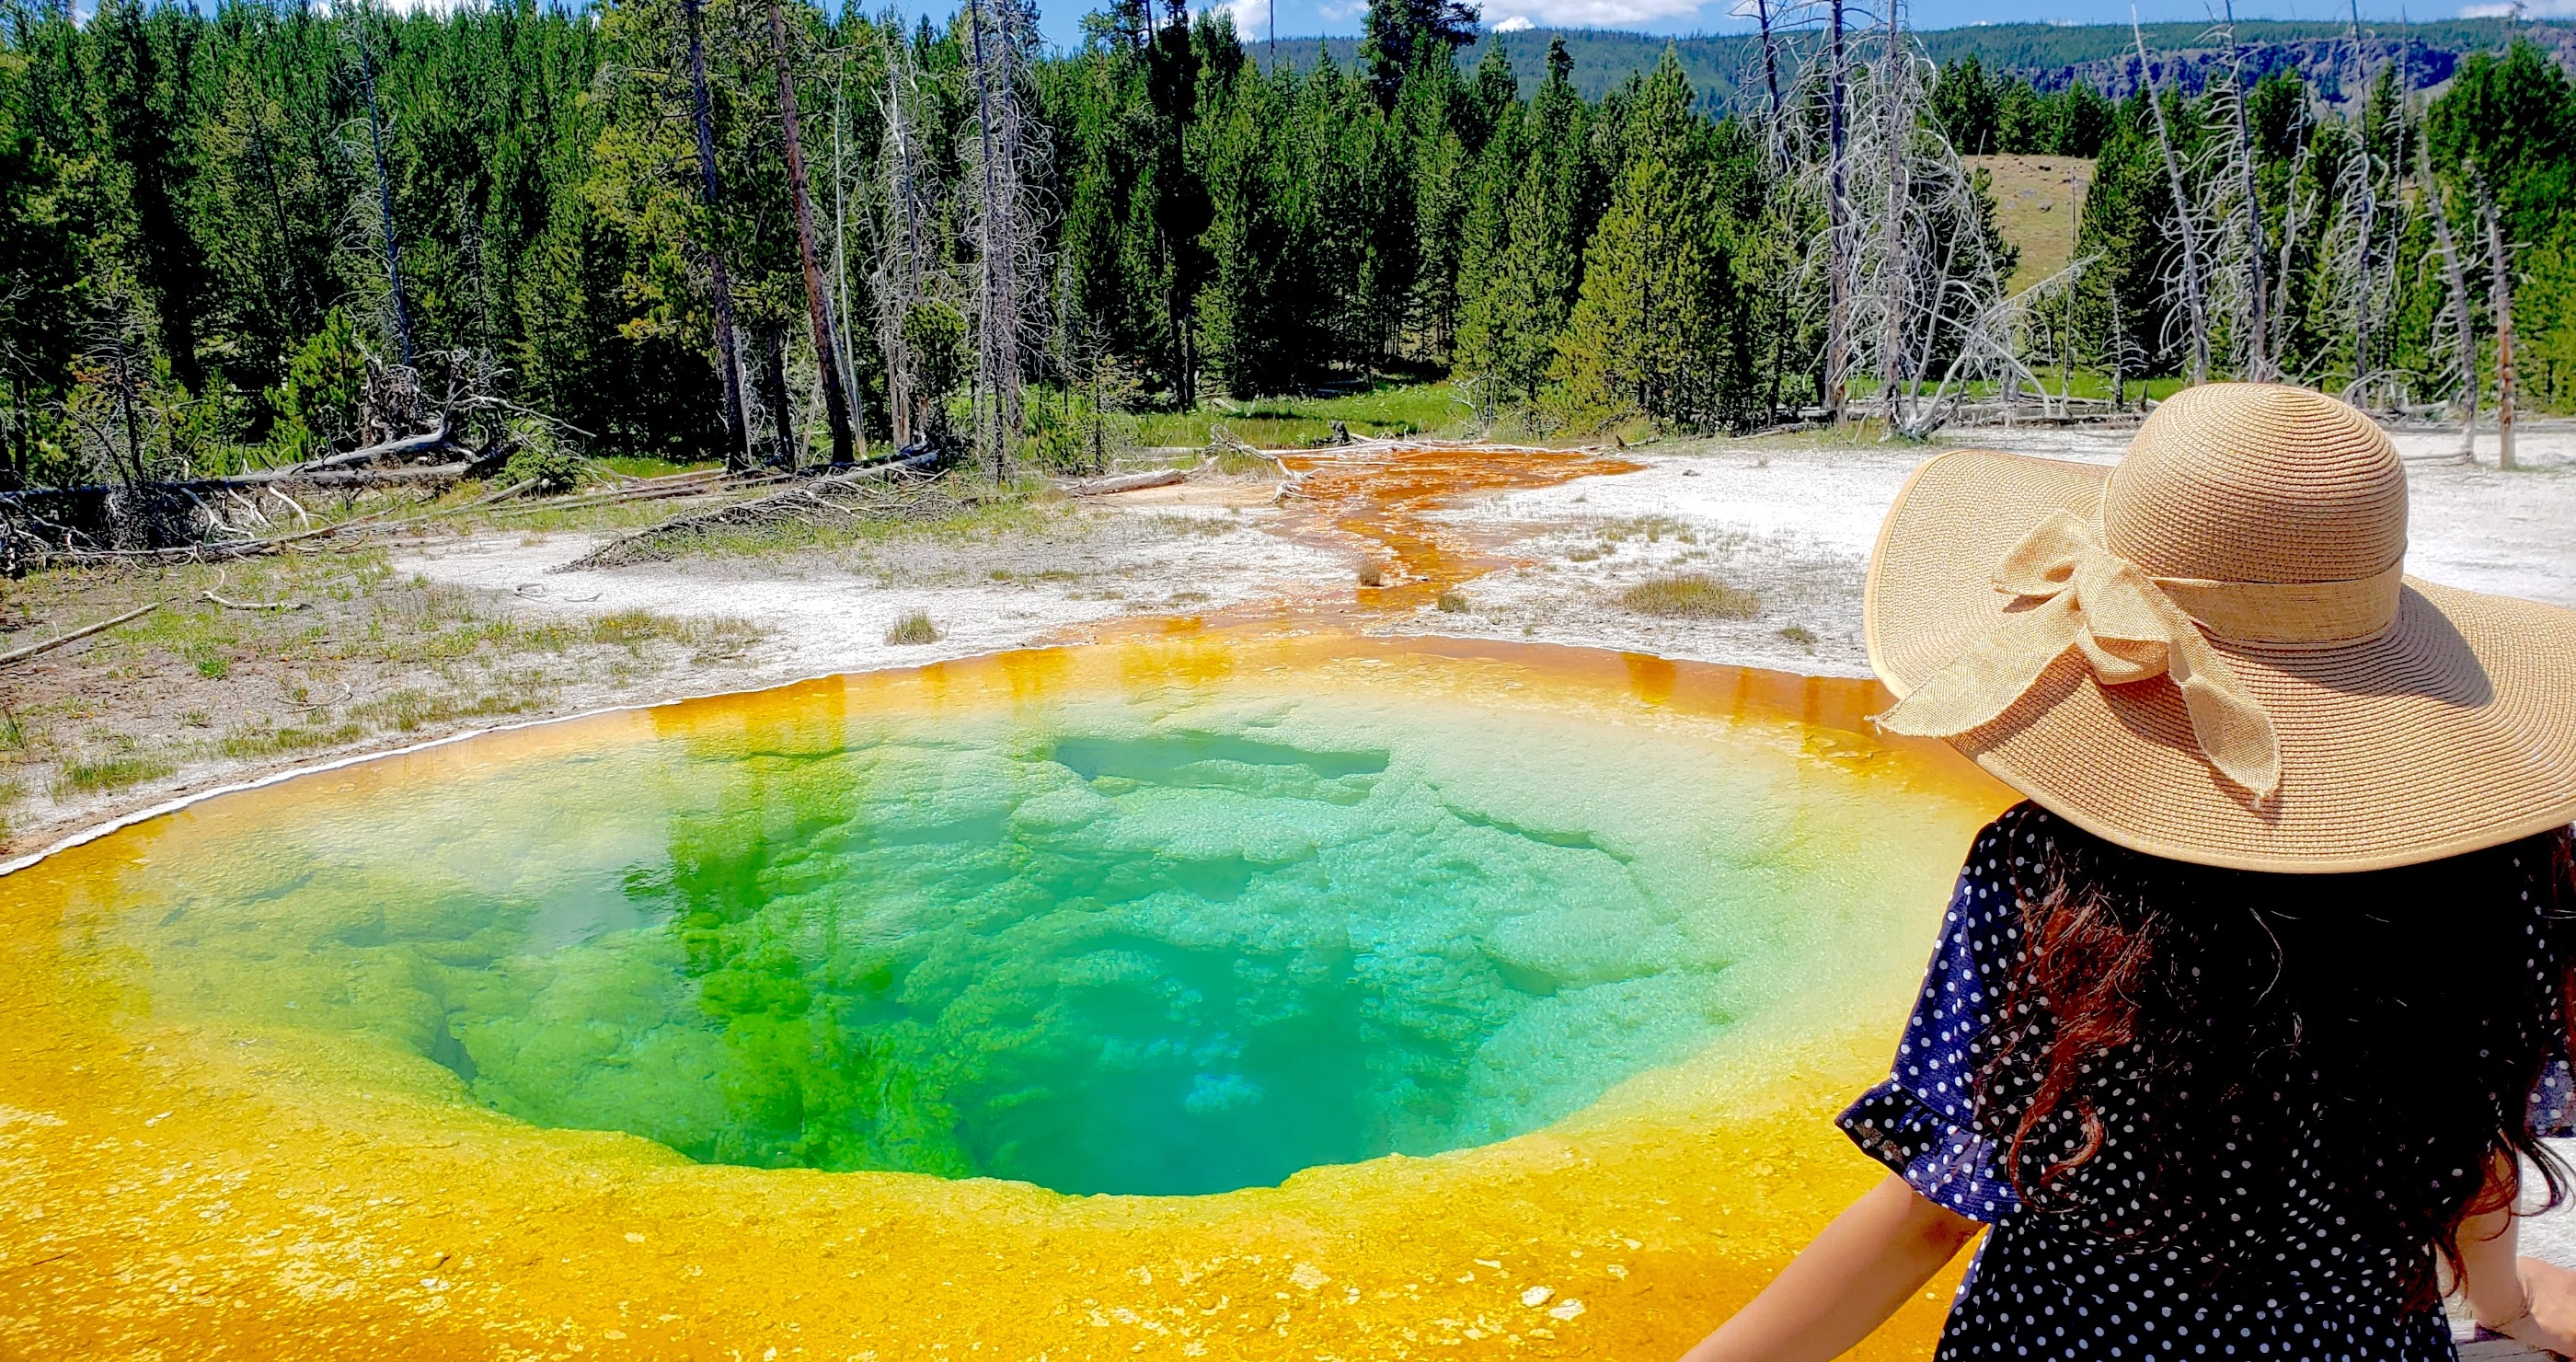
{"x": 2301, "y": 195}
{"x": 2257, "y": 298}
{"x": 841, "y": 261}
{"x": 2189, "y": 282}
{"x": 2359, "y": 287}
{"x": 1007, "y": 150}
{"x": 1837, "y": 225}
{"x": 2500, "y": 300}
{"x": 1925, "y": 283}
{"x": 996, "y": 358}
{"x": 396, "y": 312}
{"x": 2456, "y": 310}
{"x": 1770, "y": 55}
{"x": 1899, "y": 113}
{"x": 901, "y": 265}
{"x": 818, "y": 305}
{"x": 711, "y": 195}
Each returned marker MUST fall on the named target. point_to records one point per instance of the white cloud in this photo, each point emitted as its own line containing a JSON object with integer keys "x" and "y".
{"x": 1586, "y": 13}
{"x": 1250, "y": 16}
{"x": 2530, "y": 9}
{"x": 1514, "y": 24}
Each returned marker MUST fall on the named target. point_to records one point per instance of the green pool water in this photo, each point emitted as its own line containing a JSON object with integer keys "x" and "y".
{"x": 1124, "y": 939}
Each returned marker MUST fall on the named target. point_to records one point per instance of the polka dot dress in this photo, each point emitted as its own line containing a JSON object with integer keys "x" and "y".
{"x": 2053, "y": 1285}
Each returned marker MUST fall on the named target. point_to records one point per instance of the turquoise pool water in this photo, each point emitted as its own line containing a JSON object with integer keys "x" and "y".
{"x": 1126, "y": 937}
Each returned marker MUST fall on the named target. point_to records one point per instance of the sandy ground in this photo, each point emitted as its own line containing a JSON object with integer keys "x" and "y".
{"x": 825, "y": 612}
{"x": 1792, "y": 522}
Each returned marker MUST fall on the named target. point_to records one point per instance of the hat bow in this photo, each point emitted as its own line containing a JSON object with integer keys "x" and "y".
{"x": 2094, "y": 602}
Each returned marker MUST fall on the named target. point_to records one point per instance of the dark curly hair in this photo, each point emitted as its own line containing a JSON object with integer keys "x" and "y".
{"x": 2196, "y": 1059}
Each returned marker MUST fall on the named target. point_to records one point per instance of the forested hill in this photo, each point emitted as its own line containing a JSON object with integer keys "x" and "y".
{"x": 2049, "y": 56}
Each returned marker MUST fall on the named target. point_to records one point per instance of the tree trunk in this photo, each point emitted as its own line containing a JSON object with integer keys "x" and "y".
{"x": 728, "y": 352}
{"x": 818, "y": 305}
{"x": 2356, "y": 392}
{"x": 2258, "y": 325}
{"x": 385, "y": 202}
{"x": 1892, "y": 369}
{"x": 1837, "y": 228}
{"x": 988, "y": 269}
{"x": 895, "y": 300}
{"x": 2458, "y": 278}
{"x": 841, "y": 272}
{"x": 784, "y": 446}
{"x": 2500, "y": 291}
{"x": 2192, "y": 290}
{"x": 1770, "y": 60}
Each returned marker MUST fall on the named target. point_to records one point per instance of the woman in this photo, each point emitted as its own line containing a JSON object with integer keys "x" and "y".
{"x": 2242, "y": 1032}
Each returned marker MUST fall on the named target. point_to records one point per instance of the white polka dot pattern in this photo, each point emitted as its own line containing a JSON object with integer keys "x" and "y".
{"x": 2055, "y": 1283}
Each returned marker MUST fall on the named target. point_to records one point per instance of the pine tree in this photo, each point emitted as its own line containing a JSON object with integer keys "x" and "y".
{"x": 145, "y": 63}
{"x": 1649, "y": 335}
{"x": 2124, "y": 321}
{"x": 1508, "y": 327}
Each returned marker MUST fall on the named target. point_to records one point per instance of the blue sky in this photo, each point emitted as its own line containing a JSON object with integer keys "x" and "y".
{"x": 1304, "y": 18}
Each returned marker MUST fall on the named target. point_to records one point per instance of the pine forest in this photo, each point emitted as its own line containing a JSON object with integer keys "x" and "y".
{"x": 266, "y": 234}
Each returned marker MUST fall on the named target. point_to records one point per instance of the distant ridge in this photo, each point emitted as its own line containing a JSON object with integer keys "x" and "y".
{"x": 2047, "y": 55}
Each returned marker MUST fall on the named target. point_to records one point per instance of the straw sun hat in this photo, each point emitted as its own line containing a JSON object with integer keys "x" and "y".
{"x": 2208, "y": 652}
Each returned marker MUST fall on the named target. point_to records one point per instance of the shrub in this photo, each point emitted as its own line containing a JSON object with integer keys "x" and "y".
{"x": 1372, "y": 574}
{"x": 544, "y": 462}
{"x": 913, "y": 628}
{"x": 1690, "y": 595}
{"x": 1453, "y": 603}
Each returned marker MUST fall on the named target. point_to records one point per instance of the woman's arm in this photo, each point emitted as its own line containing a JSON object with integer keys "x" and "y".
{"x": 1871, "y": 1260}
{"x": 2524, "y": 1299}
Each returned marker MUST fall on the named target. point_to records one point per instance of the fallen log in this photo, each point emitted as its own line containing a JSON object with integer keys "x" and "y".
{"x": 625, "y": 547}
{"x": 1125, "y": 482}
{"x": 409, "y": 446}
{"x": 338, "y": 477}
{"x": 253, "y": 548}
{"x": 656, "y": 489}
{"x": 32, "y": 649}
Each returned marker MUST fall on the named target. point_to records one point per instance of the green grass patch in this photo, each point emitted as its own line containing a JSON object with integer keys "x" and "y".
{"x": 113, "y": 772}
{"x": 263, "y": 740}
{"x": 1388, "y": 409}
{"x": 632, "y": 629}
{"x": 913, "y": 628}
{"x": 1690, "y": 595}
{"x": 410, "y": 709}
{"x": 1452, "y": 603}
{"x": 635, "y": 466}
{"x": 961, "y": 513}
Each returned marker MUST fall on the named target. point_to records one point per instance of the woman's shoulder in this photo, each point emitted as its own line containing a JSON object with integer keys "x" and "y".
{"x": 1986, "y": 907}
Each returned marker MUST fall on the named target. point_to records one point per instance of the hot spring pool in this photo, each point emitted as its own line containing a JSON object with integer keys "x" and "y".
{"x": 1162, "y": 918}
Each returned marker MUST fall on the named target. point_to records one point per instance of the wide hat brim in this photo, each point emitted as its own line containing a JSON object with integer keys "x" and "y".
{"x": 2454, "y": 729}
